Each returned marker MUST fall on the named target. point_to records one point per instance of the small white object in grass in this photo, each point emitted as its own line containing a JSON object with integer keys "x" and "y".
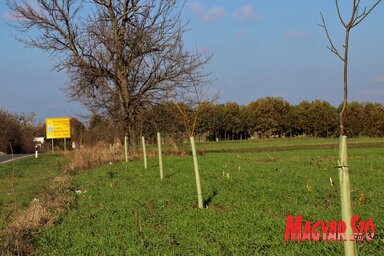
{"x": 110, "y": 162}
{"x": 331, "y": 181}
{"x": 78, "y": 191}
{"x": 36, "y": 200}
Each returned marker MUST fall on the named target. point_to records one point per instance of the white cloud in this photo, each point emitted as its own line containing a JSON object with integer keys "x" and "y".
{"x": 32, "y": 4}
{"x": 242, "y": 33}
{"x": 211, "y": 15}
{"x": 379, "y": 79}
{"x": 203, "y": 50}
{"x": 9, "y": 16}
{"x": 247, "y": 13}
{"x": 376, "y": 92}
{"x": 296, "y": 34}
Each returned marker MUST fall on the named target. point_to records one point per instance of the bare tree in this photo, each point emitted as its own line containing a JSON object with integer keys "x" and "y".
{"x": 357, "y": 16}
{"x": 121, "y": 55}
{"x": 191, "y": 103}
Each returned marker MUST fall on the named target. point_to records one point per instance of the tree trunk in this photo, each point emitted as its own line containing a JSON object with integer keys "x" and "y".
{"x": 131, "y": 129}
{"x": 345, "y": 98}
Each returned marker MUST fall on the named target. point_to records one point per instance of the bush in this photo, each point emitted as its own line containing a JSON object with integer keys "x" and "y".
{"x": 93, "y": 156}
{"x": 16, "y": 130}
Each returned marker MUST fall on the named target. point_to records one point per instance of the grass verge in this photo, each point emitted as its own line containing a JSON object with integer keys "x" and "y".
{"x": 33, "y": 194}
{"x": 23, "y": 180}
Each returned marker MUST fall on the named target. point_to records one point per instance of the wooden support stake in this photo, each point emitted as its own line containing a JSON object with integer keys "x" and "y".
{"x": 345, "y": 196}
{"x": 197, "y": 174}
{"x": 160, "y": 156}
{"x": 144, "y": 152}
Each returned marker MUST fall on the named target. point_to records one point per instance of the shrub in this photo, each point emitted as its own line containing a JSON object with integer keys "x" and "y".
{"x": 93, "y": 156}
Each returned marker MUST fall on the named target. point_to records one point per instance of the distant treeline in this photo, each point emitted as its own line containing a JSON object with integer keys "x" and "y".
{"x": 269, "y": 117}
{"x": 263, "y": 118}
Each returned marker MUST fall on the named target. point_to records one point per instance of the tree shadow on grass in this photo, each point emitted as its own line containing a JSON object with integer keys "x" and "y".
{"x": 172, "y": 174}
{"x": 210, "y": 197}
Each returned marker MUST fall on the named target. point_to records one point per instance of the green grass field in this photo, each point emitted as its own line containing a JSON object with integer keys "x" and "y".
{"x": 126, "y": 210}
{"x": 274, "y": 144}
{"x": 23, "y": 180}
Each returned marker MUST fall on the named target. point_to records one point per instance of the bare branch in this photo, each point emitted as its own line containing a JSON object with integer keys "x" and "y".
{"x": 338, "y": 13}
{"x": 361, "y": 17}
{"x": 332, "y": 47}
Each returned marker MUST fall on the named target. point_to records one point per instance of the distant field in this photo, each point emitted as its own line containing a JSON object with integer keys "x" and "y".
{"x": 24, "y": 179}
{"x": 284, "y": 142}
{"x": 276, "y": 143}
{"x": 124, "y": 209}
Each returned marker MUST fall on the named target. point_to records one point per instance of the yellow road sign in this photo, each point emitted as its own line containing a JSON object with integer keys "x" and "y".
{"x": 58, "y": 128}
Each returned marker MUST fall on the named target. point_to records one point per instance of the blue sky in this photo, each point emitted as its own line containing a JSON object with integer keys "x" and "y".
{"x": 261, "y": 48}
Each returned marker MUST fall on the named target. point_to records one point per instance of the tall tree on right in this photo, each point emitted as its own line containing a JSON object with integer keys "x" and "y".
{"x": 357, "y": 16}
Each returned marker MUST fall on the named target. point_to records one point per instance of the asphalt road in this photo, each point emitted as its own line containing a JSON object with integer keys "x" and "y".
{"x": 8, "y": 158}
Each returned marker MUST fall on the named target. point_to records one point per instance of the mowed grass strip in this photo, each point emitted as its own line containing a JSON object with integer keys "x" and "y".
{"x": 126, "y": 210}
{"x": 24, "y": 179}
